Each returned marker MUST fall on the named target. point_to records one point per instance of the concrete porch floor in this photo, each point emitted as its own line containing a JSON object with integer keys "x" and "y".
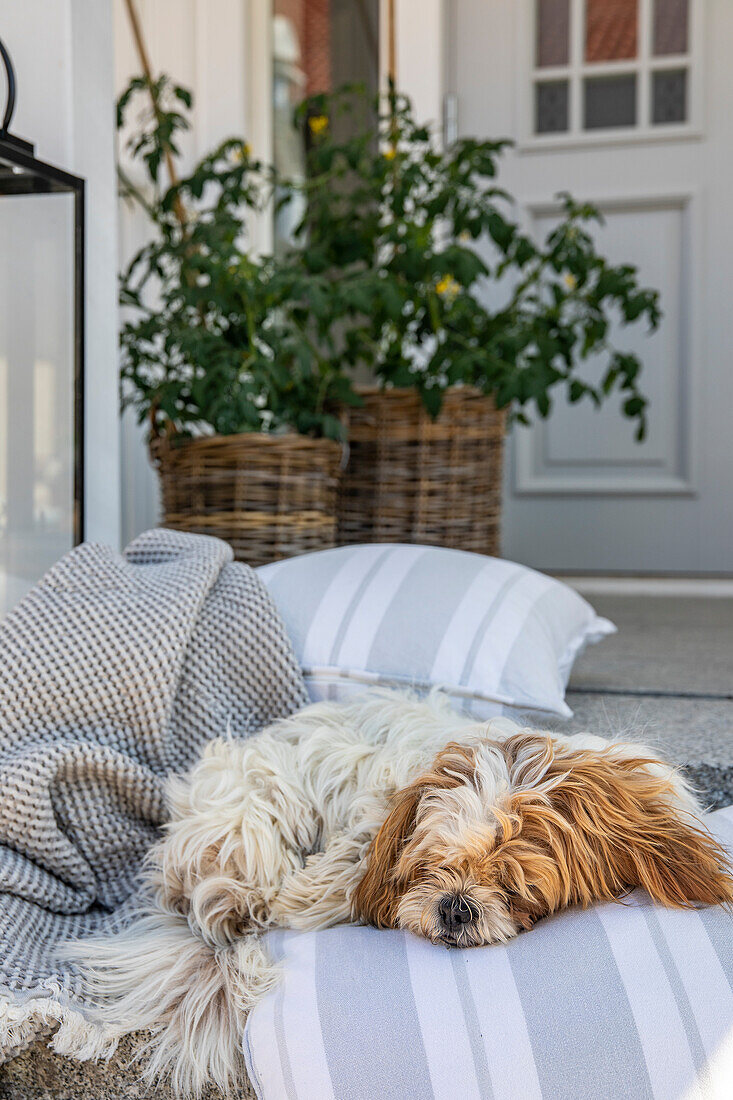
{"x": 666, "y": 677}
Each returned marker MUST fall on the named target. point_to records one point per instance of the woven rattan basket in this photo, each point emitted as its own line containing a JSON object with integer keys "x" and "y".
{"x": 269, "y": 497}
{"x": 418, "y": 480}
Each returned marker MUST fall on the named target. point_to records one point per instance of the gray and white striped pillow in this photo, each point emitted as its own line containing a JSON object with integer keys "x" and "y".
{"x": 625, "y": 1001}
{"x": 496, "y": 635}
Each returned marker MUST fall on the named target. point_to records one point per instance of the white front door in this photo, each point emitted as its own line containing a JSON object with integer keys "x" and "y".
{"x": 625, "y": 103}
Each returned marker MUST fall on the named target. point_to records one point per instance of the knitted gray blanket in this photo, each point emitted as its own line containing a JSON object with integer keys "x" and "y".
{"x": 114, "y": 671}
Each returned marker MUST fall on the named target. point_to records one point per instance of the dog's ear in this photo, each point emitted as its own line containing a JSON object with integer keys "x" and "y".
{"x": 627, "y": 814}
{"x": 377, "y": 897}
{"x": 610, "y": 822}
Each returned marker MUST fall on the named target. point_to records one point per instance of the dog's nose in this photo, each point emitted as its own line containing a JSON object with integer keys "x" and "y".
{"x": 454, "y": 912}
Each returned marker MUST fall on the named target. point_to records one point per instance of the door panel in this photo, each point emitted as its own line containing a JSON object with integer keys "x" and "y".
{"x": 581, "y": 449}
{"x": 580, "y": 494}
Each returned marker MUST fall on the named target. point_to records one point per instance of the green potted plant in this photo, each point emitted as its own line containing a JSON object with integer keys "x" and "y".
{"x": 458, "y": 316}
{"x": 222, "y": 353}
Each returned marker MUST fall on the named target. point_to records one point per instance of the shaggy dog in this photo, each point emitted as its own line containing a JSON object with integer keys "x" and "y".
{"x": 388, "y": 811}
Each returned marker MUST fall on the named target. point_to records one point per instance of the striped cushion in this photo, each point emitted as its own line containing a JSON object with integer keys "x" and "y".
{"x": 618, "y": 1001}
{"x": 496, "y": 635}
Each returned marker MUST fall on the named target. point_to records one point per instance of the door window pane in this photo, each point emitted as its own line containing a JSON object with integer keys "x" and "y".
{"x": 611, "y": 30}
{"x": 551, "y": 107}
{"x": 669, "y": 96}
{"x": 553, "y": 33}
{"x": 671, "y": 19}
{"x": 610, "y": 101}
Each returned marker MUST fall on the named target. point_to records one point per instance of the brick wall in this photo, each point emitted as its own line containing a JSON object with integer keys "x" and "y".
{"x": 311, "y": 20}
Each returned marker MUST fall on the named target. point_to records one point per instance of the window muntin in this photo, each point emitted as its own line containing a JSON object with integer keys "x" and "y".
{"x": 605, "y": 66}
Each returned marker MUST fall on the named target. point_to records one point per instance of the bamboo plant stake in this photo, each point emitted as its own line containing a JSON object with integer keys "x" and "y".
{"x": 142, "y": 52}
{"x": 178, "y": 208}
{"x": 392, "y": 69}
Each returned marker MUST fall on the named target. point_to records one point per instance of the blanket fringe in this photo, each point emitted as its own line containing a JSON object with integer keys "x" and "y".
{"x": 75, "y": 1036}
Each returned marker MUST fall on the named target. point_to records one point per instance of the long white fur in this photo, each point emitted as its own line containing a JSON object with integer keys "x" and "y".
{"x": 268, "y": 832}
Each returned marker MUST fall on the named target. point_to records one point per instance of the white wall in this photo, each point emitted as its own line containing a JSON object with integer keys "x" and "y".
{"x": 63, "y": 56}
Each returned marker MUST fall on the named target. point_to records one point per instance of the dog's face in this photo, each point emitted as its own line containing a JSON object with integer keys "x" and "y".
{"x": 499, "y": 834}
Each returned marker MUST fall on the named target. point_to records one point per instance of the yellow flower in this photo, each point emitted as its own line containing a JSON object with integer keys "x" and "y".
{"x": 390, "y": 154}
{"x": 447, "y": 287}
{"x": 243, "y": 153}
{"x": 465, "y": 236}
{"x": 570, "y": 281}
{"x": 318, "y": 123}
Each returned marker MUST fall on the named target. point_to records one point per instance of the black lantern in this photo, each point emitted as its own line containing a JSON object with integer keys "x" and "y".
{"x": 41, "y": 359}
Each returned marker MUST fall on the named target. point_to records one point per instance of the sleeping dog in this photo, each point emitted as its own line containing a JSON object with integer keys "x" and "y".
{"x": 387, "y": 811}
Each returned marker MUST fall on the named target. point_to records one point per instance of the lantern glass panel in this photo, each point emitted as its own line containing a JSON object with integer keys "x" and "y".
{"x": 38, "y": 511}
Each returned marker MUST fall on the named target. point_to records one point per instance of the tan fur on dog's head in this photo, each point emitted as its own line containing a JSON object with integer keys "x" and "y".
{"x": 467, "y": 858}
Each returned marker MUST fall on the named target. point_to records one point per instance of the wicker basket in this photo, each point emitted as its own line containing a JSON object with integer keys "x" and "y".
{"x": 269, "y": 497}
{"x": 417, "y": 480}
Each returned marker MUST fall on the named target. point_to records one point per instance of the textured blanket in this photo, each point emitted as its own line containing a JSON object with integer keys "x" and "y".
{"x": 114, "y": 671}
